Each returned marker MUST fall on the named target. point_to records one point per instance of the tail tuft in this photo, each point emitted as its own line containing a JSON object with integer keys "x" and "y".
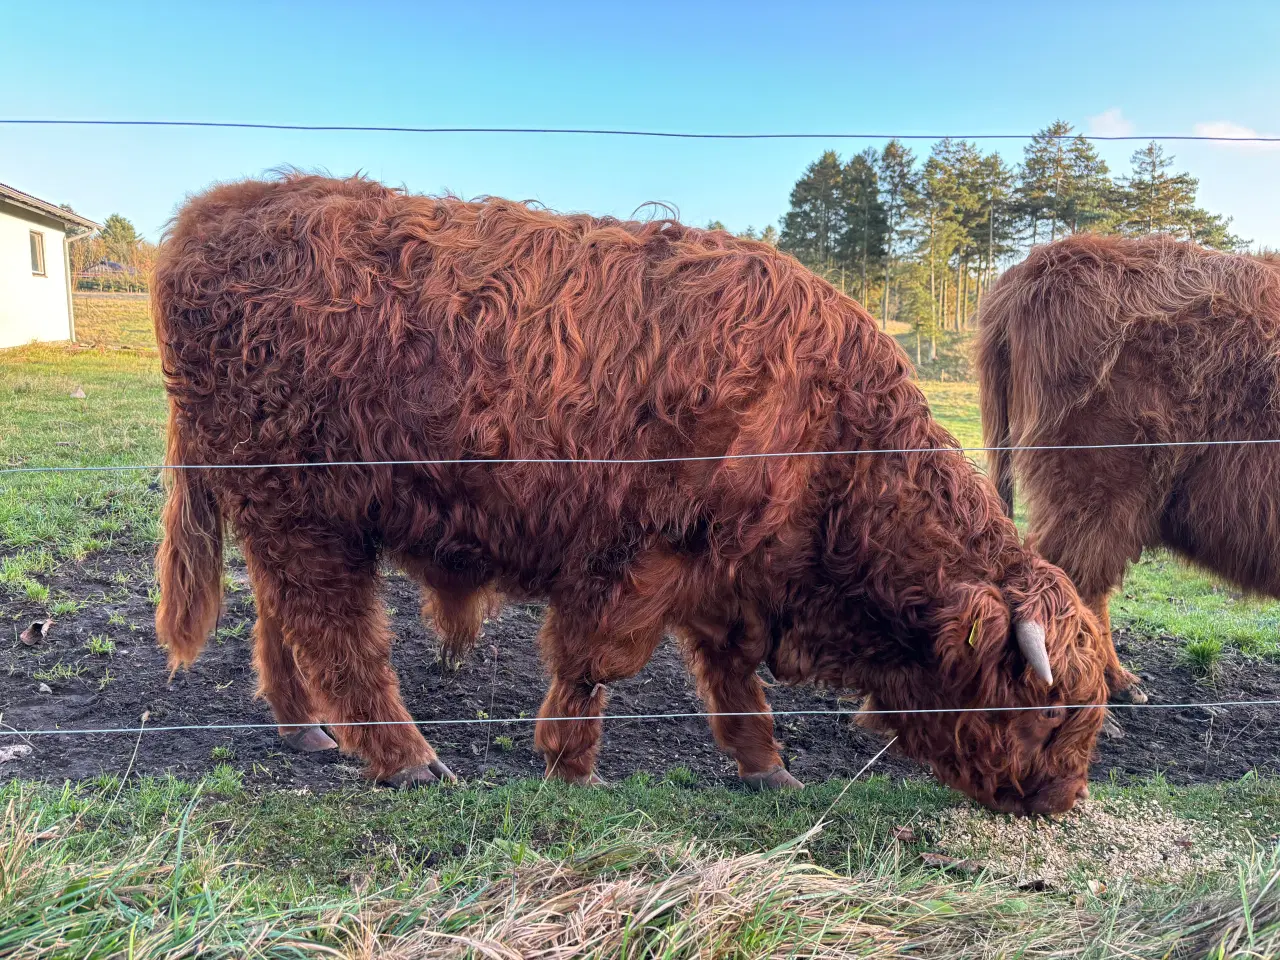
{"x": 188, "y": 563}
{"x": 994, "y": 374}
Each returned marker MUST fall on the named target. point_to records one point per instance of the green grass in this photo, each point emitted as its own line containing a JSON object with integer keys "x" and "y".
{"x": 1204, "y": 655}
{"x": 955, "y": 405}
{"x": 114, "y": 320}
{"x": 162, "y": 867}
{"x": 100, "y": 646}
{"x": 65, "y": 607}
{"x": 1163, "y": 597}
{"x": 59, "y": 672}
{"x": 120, "y": 421}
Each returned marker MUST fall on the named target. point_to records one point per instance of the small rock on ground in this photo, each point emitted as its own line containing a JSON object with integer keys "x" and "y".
{"x": 15, "y": 752}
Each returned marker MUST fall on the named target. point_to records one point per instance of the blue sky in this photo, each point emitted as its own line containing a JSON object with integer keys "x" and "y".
{"x": 886, "y": 67}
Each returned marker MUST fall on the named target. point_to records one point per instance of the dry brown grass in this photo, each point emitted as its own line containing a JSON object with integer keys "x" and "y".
{"x": 692, "y": 903}
{"x": 687, "y": 903}
{"x": 114, "y": 320}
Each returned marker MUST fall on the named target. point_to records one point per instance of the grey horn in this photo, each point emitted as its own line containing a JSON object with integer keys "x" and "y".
{"x": 1031, "y": 642}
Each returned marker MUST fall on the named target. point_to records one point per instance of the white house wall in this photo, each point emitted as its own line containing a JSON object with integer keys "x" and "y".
{"x": 31, "y": 307}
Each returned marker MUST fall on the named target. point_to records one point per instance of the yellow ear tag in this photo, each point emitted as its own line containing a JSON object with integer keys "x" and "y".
{"x": 973, "y": 632}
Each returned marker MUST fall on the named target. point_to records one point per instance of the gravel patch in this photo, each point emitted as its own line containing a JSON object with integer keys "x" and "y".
{"x": 1100, "y": 841}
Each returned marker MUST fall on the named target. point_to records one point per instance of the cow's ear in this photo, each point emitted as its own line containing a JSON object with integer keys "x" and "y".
{"x": 973, "y": 631}
{"x": 1031, "y": 641}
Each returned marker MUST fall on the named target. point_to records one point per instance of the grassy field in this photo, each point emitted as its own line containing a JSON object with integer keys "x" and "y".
{"x": 114, "y": 321}
{"x": 646, "y": 868}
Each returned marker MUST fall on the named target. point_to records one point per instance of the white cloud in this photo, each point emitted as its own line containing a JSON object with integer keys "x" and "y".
{"x": 1225, "y": 128}
{"x": 1110, "y": 123}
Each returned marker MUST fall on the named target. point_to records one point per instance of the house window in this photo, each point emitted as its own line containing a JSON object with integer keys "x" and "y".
{"x": 37, "y": 253}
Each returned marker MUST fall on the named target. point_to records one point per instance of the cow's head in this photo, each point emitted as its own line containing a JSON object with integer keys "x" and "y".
{"x": 1030, "y": 655}
{"x": 1036, "y": 658}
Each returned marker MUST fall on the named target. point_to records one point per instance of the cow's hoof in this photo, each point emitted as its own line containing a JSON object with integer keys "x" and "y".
{"x": 310, "y": 740}
{"x": 422, "y": 775}
{"x": 443, "y": 772}
{"x": 1112, "y": 730}
{"x": 776, "y": 779}
{"x": 1133, "y": 694}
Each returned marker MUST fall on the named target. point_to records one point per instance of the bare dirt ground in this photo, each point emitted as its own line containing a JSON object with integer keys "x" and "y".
{"x": 501, "y": 678}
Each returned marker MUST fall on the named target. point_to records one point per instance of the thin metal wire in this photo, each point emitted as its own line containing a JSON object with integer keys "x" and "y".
{"x": 474, "y": 721}
{"x": 635, "y": 461}
{"x": 614, "y": 132}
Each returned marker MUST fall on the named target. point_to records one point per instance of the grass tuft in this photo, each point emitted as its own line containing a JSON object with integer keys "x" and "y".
{"x": 58, "y": 672}
{"x": 1204, "y": 655}
{"x": 100, "y": 645}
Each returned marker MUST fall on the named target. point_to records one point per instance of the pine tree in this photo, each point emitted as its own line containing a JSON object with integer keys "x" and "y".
{"x": 938, "y": 231}
{"x": 937, "y": 235}
{"x": 961, "y": 175}
{"x": 813, "y": 225}
{"x": 933, "y": 216}
{"x": 1088, "y": 198}
{"x": 996, "y": 238}
{"x": 861, "y": 247}
{"x": 769, "y": 235}
{"x": 120, "y": 239}
{"x": 1212, "y": 230}
{"x": 1044, "y": 169}
{"x": 898, "y": 185}
{"x": 1155, "y": 200}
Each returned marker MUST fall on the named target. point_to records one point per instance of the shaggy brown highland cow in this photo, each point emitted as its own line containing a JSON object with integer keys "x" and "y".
{"x": 317, "y": 320}
{"x": 1101, "y": 340}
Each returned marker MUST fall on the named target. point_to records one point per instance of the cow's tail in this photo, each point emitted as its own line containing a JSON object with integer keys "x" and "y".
{"x": 994, "y": 383}
{"x": 189, "y": 561}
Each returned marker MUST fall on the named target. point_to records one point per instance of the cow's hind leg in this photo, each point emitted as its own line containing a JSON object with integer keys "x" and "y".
{"x": 325, "y": 596}
{"x": 281, "y": 684}
{"x": 724, "y": 661}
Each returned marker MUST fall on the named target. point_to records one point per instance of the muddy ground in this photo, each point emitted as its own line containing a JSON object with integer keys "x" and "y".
{"x": 501, "y": 678}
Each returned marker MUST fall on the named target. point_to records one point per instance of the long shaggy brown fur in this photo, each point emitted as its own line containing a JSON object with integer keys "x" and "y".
{"x": 189, "y": 560}
{"x": 1104, "y": 340}
{"x": 311, "y": 319}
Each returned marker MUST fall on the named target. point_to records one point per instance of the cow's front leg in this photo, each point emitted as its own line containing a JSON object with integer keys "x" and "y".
{"x": 581, "y": 662}
{"x": 724, "y": 661}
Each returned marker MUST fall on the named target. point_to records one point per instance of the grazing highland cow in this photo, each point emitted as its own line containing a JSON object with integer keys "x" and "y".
{"x": 319, "y": 320}
{"x": 1102, "y": 340}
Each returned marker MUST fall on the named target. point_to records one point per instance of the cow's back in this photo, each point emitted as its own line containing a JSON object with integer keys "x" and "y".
{"x": 313, "y": 320}
{"x": 1182, "y": 338}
